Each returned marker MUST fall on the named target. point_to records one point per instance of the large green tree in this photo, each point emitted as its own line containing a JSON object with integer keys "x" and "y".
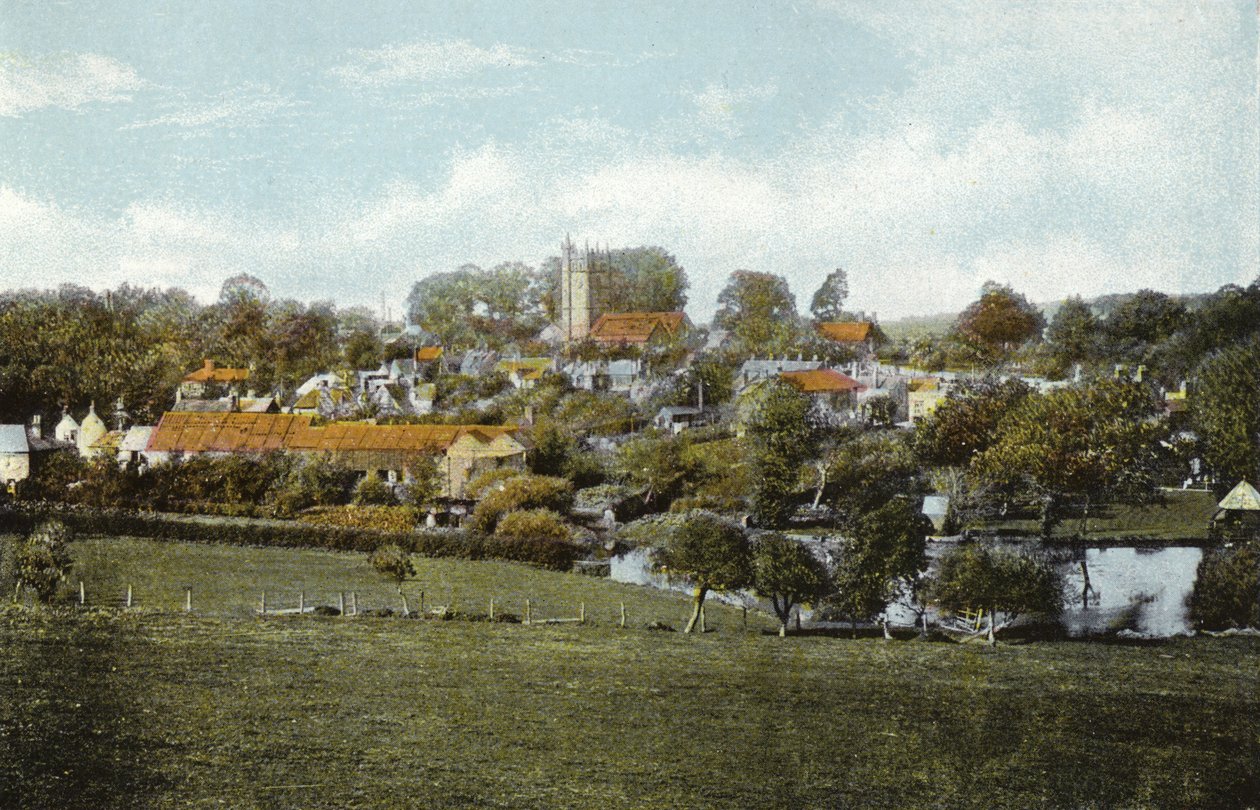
{"x": 759, "y": 310}
{"x": 787, "y": 573}
{"x": 780, "y": 436}
{"x": 1225, "y": 411}
{"x": 828, "y": 301}
{"x": 999, "y": 321}
{"x": 713, "y": 554}
{"x": 1001, "y": 582}
{"x": 884, "y": 555}
{"x": 965, "y": 422}
{"x": 1074, "y": 335}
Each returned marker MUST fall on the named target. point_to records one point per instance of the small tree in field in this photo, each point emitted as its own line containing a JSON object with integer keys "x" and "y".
{"x": 711, "y": 552}
{"x": 43, "y": 560}
{"x": 787, "y": 573}
{"x": 372, "y": 491}
{"x": 999, "y": 581}
{"x": 391, "y": 561}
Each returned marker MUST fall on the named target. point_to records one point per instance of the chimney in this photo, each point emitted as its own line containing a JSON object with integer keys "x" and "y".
{"x": 874, "y": 317}
{"x": 1140, "y": 370}
{"x": 36, "y": 430}
{"x": 235, "y": 403}
{"x": 207, "y": 364}
{"x": 1183, "y": 388}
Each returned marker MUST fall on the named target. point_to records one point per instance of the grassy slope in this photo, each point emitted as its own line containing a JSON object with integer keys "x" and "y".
{"x": 168, "y": 710}
{"x": 227, "y": 580}
{"x": 1184, "y": 516}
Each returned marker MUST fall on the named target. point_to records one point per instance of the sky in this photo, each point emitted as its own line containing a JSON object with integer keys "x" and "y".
{"x": 344, "y": 150}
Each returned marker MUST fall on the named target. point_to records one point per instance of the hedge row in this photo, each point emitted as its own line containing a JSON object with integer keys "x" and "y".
{"x": 290, "y": 534}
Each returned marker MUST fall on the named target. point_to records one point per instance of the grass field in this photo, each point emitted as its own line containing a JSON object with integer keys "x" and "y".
{"x": 1183, "y": 516}
{"x": 164, "y": 710}
{"x": 227, "y": 581}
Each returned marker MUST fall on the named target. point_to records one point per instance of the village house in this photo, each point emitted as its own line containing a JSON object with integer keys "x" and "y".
{"x": 642, "y": 329}
{"x": 250, "y": 403}
{"x": 677, "y": 418}
{"x": 754, "y": 370}
{"x": 923, "y": 395}
{"x": 525, "y": 372}
{"x": 211, "y": 381}
{"x": 393, "y": 452}
{"x": 15, "y": 455}
{"x": 613, "y": 376}
{"x": 828, "y": 388}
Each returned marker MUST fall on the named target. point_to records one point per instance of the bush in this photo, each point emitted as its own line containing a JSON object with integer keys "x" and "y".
{"x": 489, "y": 480}
{"x": 523, "y": 492}
{"x": 389, "y": 519}
{"x": 392, "y": 561}
{"x": 532, "y": 524}
{"x": 372, "y": 491}
{"x": 42, "y": 560}
{"x": 1227, "y": 589}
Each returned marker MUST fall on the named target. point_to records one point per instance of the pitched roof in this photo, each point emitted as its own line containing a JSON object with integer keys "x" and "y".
{"x": 256, "y": 433}
{"x": 823, "y": 380}
{"x": 13, "y": 439}
{"x": 636, "y": 327}
{"x": 209, "y": 372}
{"x": 922, "y": 384}
{"x": 1242, "y": 497}
{"x": 311, "y": 398}
{"x": 427, "y": 353}
{"x": 111, "y": 441}
{"x": 530, "y": 368}
{"x": 846, "y": 331}
{"x": 137, "y": 438}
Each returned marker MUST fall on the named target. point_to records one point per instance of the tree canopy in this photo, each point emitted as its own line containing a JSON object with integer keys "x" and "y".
{"x": 758, "y": 309}
{"x": 712, "y": 553}
{"x": 828, "y": 301}
{"x": 1000, "y": 320}
{"x": 1225, "y": 411}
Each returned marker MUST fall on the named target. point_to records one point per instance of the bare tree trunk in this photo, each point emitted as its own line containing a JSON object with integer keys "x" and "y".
{"x": 1085, "y": 588}
{"x": 887, "y": 635}
{"x": 822, "y": 484}
{"x": 992, "y": 631}
{"x": 697, "y": 602}
{"x": 923, "y": 615}
{"x": 1085, "y": 518}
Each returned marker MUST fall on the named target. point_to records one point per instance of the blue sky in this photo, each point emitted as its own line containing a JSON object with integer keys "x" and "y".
{"x": 343, "y": 150}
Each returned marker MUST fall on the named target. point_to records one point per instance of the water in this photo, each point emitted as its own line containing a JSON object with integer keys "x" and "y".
{"x": 1140, "y": 589}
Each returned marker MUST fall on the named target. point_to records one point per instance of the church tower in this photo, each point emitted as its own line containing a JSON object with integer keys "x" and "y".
{"x": 579, "y": 290}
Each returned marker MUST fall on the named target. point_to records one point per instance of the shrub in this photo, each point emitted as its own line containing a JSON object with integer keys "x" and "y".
{"x": 532, "y": 524}
{"x": 393, "y": 562}
{"x": 489, "y": 480}
{"x": 372, "y": 491}
{"x": 42, "y": 560}
{"x": 389, "y": 519}
{"x": 523, "y": 492}
{"x": 1227, "y": 589}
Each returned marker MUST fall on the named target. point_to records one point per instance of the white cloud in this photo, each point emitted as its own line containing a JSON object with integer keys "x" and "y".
{"x": 719, "y": 105}
{"x": 244, "y": 106}
{"x": 66, "y": 81}
{"x": 423, "y": 62}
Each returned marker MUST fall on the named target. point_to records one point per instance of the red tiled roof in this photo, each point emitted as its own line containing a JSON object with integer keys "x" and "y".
{"x": 846, "y": 331}
{"x": 260, "y": 432}
{"x": 211, "y": 373}
{"x": 823, "y": 380}
{"x": 427, "y": 353}
{"x": 636, "y": 327}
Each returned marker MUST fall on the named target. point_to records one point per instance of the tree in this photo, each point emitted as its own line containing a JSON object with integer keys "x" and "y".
{"x": 1143, "y": 320}
{"x": 1095, "y": 443}
{"x": 372, "y": 491}
{"x": 1074, "y": 335}
{"x": 362, "y": 350}
{"x": 780, "y": 436}
{"x": 1225, "y": 411}
{"x": 884, "y": 557}
{"x": 712, "y": 553}
{"x": 787, "y": 573}
{"x": 1227, "y": 588}
{"x": 999, "y": 581}
{"x": 965, "y": 423}
{"x": 867, "y": 471}
{"x": 658, "y": 466}
{"x": 828, "y": 301}
{"x": 392, "y": 561}
{"x": 758, "y": 309}
{"x": 43, "y": 561}
{"x": 1000, "y": 320}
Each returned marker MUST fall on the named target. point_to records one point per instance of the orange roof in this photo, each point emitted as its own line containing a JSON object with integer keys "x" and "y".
{"x": 923, "y": 384}
{"x": 210, "y": 373}
{"x": 823, "y": 380}
{"x": 636, "y": 327}
{"x": 260, "y": 432}
{"x": 427, "y": 353}
{"x": 846, "y": 331}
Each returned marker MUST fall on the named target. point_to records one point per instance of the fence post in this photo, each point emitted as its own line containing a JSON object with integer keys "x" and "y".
{"x": 581, "y": 613}
{"x": 262, "y": 604}
{"x": 406, "y": 610}
{"x": 745, "y": 617}
{"x": 354, "y": 602}
{"x": 187, "y": 600}
{"x": 301, "y": 602}
{"x": 492, "y": 608}
{"x": 422, "y": 602}
{"x": 341, "y": 603}
{"x": 129, "y": 596}
{"x": 623, "y": 614}
{"x": 527, "y": 616}
{"x": 82, "y": 594}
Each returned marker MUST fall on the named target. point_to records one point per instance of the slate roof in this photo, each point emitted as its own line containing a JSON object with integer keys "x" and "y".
{"x": 846, "y": 331}
{"x": 819, "y": 381}
{"x": 137, "y": 439}
{"x": 13, "y": 439}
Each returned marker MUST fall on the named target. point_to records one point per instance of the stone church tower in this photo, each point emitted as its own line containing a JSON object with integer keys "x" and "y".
{"x": 580, "y": 290}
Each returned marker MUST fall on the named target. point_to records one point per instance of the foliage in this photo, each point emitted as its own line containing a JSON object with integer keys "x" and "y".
{"x": 658, "y": 466}
{"x": 965, "y": 422}
{"x": 787, "y": 573}
{"x": 759, "y": 310}
{"x": 866, "y": 471}
{"x": 424, "y": 483}
{"x": 388, "y": 519}
{"x": 43, "y": 561}
{"x": 533, "y": 524}
{"x": 1094, "y": 442}
{"x": 488, "y": 480}
{"x": 311, "y": 481}
{"x": 521, "y": 493}
{"x": 828, "y": 301}
{"x": 1225, "y": 412}
{"x": 880, "y": 411}
{"x": 1074, "y": 336}
{"x": 468, "y": 305}
{"x": 1000, "y": 320}
{"x": 1227, "y": 588}
{"x": 1142, "y": 320}
{"x": 998, "y": 580}
{"x": 884, "y": 557}
{"x": 373, "y": 491}
{"x": 393, "y": 562}
{"x": 780, "y": 433}
{"x": 712, "y": 553}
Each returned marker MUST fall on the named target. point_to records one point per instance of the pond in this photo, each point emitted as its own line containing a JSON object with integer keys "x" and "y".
{"x": 1140, "y": 589}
